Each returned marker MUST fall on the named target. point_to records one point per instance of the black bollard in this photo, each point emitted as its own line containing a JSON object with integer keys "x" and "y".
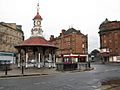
{"x": 5, "y": 69}
{"x": 22, "y": 66}
{"x": 85, "y": 66}
{"x": 22, "y": 69}
{"x": 89, "y": 64}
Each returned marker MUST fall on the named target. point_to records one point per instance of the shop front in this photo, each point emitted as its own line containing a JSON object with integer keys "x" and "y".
{"x": 71, "y": 62}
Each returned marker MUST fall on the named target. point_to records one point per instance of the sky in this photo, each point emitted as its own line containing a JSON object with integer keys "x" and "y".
{"x": 84, "y": 15}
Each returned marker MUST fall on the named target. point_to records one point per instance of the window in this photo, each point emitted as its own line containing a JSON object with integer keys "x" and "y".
{"x": 115, "y": 42}
{"x": 110, "y": 41}
{"x": 110, "y": 49}
{"x": 104, "y": 41}
{"x": 73, "y": 39}
{"x": 83, "y": 46}
{"x": 67, "y": 39}
{"x": 115, "y": 33}
{"x": 104, "y": 36}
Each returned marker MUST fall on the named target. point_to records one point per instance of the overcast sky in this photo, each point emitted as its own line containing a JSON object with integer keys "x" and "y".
{"x": 84, "y": 15}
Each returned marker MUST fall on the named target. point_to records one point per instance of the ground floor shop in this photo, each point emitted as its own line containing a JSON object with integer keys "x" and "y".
{"x": 71, "y": 62}
{"x": 108, "y": 57}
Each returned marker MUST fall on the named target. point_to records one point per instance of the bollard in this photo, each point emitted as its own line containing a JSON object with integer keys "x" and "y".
{"x": 85, "y": 66}
{"x": 6, "y": 69}
{"x": 89, "y": 64}
{"x": 22, "y": 69}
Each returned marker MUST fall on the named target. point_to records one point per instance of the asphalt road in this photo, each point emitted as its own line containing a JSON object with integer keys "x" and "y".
{"x": 88, "y": 80}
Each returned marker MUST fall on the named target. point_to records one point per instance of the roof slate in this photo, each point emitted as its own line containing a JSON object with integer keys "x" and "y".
{"x": 72, "y": 30}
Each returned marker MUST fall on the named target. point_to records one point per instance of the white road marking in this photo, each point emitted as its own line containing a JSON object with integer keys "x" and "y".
{"x": 111, "y": 69}
{"x": 94, "y": 86}
{"x": 37, "y": 83}
{"x": 43, "y": 82}
{"x": 114, "y": 69}
{"x": 107, "y": 70}
{"x": 97, "y": 89}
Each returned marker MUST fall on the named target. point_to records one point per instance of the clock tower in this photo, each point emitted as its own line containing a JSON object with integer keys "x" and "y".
{"x": 37, "y": 30}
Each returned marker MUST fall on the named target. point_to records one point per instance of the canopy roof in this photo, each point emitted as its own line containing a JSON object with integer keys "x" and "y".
{"x": 36, "y": 41}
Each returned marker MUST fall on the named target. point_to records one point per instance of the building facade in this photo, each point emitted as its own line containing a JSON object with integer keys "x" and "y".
{"x": 10, "y": 35}
{"x": 109, "y": 41}
{"x": 73, "y": 46}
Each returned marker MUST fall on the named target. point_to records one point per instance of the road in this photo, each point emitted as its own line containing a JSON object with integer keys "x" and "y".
{"x": 88, "y": 80}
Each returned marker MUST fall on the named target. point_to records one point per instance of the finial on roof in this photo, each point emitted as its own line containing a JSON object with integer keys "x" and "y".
{"x": 71, "y": 26}
{"x": 38, "y": 15}
{"x": 106, "y": 19}
{"x": 38, "y": 8}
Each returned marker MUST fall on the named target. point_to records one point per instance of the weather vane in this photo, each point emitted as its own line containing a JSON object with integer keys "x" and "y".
{"x": 38, "y": 7}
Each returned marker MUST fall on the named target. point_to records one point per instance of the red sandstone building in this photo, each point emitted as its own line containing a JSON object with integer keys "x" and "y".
{"x": 110, "y": 40}
{"x": 73, "y": 46}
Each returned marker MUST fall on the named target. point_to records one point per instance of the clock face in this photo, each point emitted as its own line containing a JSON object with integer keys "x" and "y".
{"x": 38, "y": 22}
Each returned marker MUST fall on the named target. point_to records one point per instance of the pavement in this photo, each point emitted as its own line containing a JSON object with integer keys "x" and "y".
{"x": 17, "y": 72}
{"x": 111, "y": 85}
{"x": 28, "y": 72}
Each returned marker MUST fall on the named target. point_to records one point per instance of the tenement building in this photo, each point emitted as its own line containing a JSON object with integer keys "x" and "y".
{"x": 10, "y": 35}
{"x": 110, "y": 41}
{"x": 73, "y": 46}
